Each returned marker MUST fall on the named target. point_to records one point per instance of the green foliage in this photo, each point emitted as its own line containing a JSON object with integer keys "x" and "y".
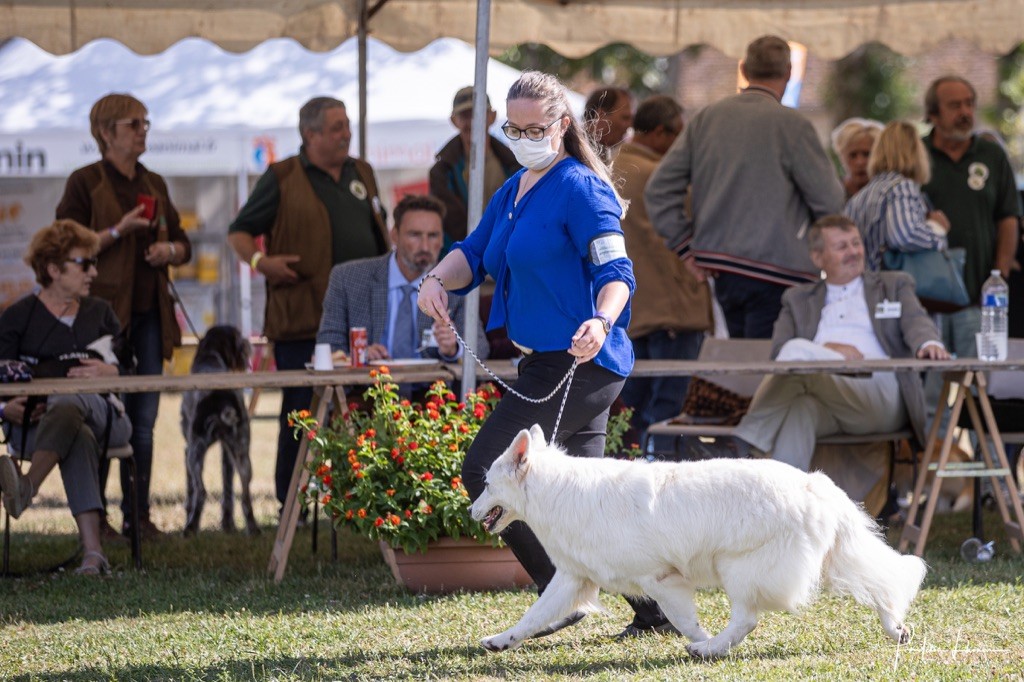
{"x": 615, "y": 64}
{"x": 870, "y": 82}
{"x": 1010, "y": 114}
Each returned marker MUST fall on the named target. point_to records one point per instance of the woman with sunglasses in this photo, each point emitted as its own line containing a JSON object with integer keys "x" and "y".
{"x": 59, "y": 326}
{"x": 140, "y": 235}
{"x": 551, "y": 239}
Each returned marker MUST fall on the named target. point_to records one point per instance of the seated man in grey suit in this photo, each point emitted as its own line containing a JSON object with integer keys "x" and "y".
{"x": 380, "y": 294}
{"x": 851, "y": 314}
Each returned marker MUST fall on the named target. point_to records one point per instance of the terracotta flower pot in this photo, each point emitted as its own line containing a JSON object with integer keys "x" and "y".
{"x": 451, "y": 565}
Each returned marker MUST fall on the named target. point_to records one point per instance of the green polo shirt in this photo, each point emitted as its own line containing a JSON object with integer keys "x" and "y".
{"x": 353, "y": 229}
{"x": 975, "y": 193}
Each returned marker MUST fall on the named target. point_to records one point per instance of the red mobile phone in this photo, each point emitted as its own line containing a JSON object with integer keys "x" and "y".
{"x": 149, "y": 201}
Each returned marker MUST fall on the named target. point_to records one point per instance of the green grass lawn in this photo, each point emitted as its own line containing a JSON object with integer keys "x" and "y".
{"x": 203, "y": 609}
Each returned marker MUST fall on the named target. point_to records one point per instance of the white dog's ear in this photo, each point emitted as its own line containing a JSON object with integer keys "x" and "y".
{"x": 537, "y": 433}
{"x": 520, "y": 448}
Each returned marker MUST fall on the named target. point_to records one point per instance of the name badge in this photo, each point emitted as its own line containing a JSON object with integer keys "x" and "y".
{"x": 888, "y": 310}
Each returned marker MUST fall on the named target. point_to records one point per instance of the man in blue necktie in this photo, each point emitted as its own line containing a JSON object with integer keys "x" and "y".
{"x": 380, "y": 293}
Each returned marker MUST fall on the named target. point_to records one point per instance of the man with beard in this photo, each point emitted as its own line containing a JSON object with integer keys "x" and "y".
{"x": 852, "y": 315}
{"x": 380, "y": 293}
{"x": 973, "y": 184}
{"x": 314, "y": 210}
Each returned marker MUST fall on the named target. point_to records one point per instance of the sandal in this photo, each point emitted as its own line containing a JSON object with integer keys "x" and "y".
{"x": 101, "y": 567}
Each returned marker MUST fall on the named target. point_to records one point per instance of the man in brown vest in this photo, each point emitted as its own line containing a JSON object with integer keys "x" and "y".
{"x": 314, "y": 210}
{"x": 671, "y": 309}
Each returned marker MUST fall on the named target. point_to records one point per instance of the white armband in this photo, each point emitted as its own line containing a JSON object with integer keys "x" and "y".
{"x": 607, "y": 247}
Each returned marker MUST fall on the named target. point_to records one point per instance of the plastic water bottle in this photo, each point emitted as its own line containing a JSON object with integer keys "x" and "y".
{"x": 995, "y": 305}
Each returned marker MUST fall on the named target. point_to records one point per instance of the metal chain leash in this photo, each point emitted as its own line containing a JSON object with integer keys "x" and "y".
{"x": 566, "y": 380}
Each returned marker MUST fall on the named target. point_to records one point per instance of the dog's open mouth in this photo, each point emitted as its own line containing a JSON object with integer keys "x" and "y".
{"x": 492, "y": 518}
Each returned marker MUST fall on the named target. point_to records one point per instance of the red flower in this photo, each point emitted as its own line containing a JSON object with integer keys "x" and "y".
{"x": 353, "y": 406}
{"x": 446, "y": 428}
{"x": 479, "y": 411}
{"x": 323, "y": 469}
{"x": 359, "y": 474}
{"x": 463, "y": 428}
{"x": 327, "y": 480}
{"x": 427, "y": 509}
{"x": 434, "y": 414}
{"x": 450, "y": 397}
{"x": 370, "y": 433}
{"x": 311, "y": 435}
{"x": 356, "y": 466}
{"x": 348, "y": 515}
{"x": 408, "y": 514}
{"x": 404, "y": 403}
{"x": 390, "y": 492}
{"x": 325, "y": 499}
{"x": 427, "y": 476}
{"x": 461, "y": 406}
{"x": 378, "y": 522}
{"x": 413, "y": 445}
{"x": 399, "y": 460}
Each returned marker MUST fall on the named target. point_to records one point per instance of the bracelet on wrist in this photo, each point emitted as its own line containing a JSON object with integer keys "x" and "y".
{"x": 427, "y": 276}
{"x": 256, "y": 258}
{"x": 114, "y": 233}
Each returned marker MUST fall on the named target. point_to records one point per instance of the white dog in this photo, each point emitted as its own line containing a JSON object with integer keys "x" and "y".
{"x": 767, "y": 533}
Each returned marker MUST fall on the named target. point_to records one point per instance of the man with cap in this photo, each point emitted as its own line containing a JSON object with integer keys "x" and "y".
{"x": 449, "y": 176}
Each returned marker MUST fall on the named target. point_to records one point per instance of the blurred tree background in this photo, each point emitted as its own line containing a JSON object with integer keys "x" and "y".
{"x": 870, "y": 82}
{"x": 1010, "y": 108}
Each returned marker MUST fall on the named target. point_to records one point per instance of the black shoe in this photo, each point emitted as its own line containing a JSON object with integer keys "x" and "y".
{"x": 632, "y": 630}
{"x": 571, "y": 619}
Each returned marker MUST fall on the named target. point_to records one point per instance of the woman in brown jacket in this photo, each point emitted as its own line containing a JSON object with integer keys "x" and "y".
{"x": 140, "y": 233}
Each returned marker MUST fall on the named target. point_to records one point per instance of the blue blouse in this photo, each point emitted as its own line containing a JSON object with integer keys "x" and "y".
{"x": 538, "y": 253}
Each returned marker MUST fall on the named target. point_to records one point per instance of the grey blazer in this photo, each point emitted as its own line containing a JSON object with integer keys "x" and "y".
{"x": 357, "y": 296}
{"x": 900, "y": 338}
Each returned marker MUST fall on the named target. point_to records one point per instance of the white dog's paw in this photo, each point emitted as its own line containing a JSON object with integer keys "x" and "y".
{"x": 905, "y": 633}
{"x": 705, "y": 650}
{"x": 499, "y": 642}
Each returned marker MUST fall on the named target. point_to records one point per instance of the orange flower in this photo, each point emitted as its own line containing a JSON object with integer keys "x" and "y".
{"x": 359, "y": 474}
{"x": 361, "y": 513}
{"x": 325, "y": 499}
{"x": 390, "y": 492}
{"x": 383, "y": 370}
{"x": 453, "y": 447}
{"x": 395, "y": 520}
{"x": 348, "y": 515}
{"x": 323, "y": 469}
{"x": 446, "y": 428}
{"x": 356, "y": 466}
{"x": 463, "y": 428}
{"x": 291, "y": 422}
{"x": 373, "y": 374}
{"x": 304, "y": 414}
{"x": 404, "y": 403}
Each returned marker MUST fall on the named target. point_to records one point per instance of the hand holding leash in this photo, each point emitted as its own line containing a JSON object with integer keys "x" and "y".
{"x": 432, "y": 298}
{"x": 588, "y": 340}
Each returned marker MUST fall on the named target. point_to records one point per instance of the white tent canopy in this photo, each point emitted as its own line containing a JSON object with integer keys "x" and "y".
{"x": 830, "y": 28}
{"x": 196, "y": 87}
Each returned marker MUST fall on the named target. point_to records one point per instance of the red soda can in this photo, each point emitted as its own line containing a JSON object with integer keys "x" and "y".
{"x": 357, "y": 342}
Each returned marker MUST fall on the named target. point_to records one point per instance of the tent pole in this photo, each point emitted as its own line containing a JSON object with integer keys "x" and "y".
{"x": 364, "y": 19}
{"x": 477, "y": 149}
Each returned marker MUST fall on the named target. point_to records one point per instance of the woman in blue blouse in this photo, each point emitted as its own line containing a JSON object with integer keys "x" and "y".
{"x": 551, "y": 239}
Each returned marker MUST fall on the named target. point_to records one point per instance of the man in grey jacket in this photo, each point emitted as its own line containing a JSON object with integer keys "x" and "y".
{"x": 759, "y": 177}
{"x": 852, "y": 314}
{"x": 380, "y": 294}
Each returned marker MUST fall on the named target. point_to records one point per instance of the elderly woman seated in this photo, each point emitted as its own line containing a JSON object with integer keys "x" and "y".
{"x": 62, "y": 331}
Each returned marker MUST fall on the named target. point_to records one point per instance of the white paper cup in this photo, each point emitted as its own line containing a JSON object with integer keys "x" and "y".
{"x": 322, "y": 357}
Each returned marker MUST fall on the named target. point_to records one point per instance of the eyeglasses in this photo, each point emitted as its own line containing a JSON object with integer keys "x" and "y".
{"x": 85, "y": 263}
{"x": 535, "y": 133}
{"x": 134, "y": 123}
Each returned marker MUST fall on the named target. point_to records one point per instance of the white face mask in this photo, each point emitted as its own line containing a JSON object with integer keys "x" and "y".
{"x": 535, "y": 155}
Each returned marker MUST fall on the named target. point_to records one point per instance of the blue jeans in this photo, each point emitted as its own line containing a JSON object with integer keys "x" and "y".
{"x": 141, "y": 408}
{"x": 750, "y": 306}
{"x": 658, "y": 398}
{"x": 290, "y": 355}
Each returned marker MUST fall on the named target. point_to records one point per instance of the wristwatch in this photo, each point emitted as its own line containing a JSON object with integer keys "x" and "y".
{"x": 606, "y": 322}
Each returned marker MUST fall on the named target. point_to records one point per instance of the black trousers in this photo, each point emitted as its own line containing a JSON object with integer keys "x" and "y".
{"x": 581, "y": 432}
{"x": 289, "y": 355}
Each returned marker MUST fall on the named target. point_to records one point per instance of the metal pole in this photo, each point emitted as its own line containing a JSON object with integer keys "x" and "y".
{"x": 364, "y": 20}
{"x": 477, "y": 149}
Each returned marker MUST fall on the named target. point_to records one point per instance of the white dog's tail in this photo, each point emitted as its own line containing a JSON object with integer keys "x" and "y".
{"x": 862, "y": 565}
